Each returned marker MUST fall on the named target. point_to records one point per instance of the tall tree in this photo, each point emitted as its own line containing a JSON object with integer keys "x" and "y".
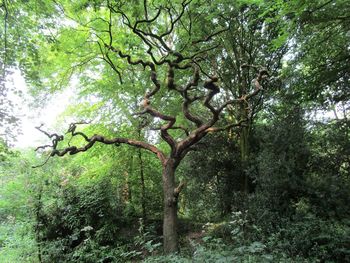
{"x": 249, "y": 41}
{"x": 158, "y": 39}
{"x": 318, "y": 34}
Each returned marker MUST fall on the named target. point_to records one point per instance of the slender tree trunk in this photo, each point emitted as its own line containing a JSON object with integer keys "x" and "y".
{"x": 38, "y": 207}
{"x": 170, "y": 234}
{"x": 244, "y": 147}
{"x": 244, "y": 134}
{"x": 143, "y": 187}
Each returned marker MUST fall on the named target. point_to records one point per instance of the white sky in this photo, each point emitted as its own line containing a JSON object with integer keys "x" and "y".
{"x": 30, "y": 118}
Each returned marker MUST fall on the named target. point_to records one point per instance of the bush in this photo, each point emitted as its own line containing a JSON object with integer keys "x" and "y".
{"x": 82, "y": 226}
{"x": 17, "y": 243}
{"x": 315, "y": 238}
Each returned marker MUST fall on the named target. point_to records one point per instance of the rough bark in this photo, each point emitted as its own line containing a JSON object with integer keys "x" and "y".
{"x": 244, "y": 147}
{"x": 143, "y": 186}
{"x": 170, "y": 234}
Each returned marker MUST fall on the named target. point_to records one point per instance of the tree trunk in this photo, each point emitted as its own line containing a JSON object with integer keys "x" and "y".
{"x": 244, "y": 109}
{"x": 38, "y": 210}
{"x": 244, "y": 147}
{"x": 170, "y": 234}
{"x": 143, "y": 187}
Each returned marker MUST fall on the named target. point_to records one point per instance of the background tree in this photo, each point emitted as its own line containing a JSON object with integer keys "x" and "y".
{"x": 249, "y": 41}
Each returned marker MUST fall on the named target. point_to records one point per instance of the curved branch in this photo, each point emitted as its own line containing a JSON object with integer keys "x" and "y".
{"x": 184, "y": 129}
{"x": 262, "y": 74}
{"x": 213, "y": 89}
{"x": 129, "y": 59}
{"x": 116, "y": 141}
{"x": 210, "y": 37}
{"x": 146, "y": 102}
{"x": 144, "y": 64}
{"x": 41, "y": 165}
{"x": 204, "y": 128}
{"x": 227, "y": 127}
{"x": 163, "y": 129}
{"x": 188, "y": 101}
{"x": 184, "y": 4}
{"x": 146, "y": 14}
{"x": 91, "y": 141}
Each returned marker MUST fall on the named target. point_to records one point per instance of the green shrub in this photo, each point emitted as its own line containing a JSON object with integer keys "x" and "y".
{"x": 82, "y": 226}
{"x": 314, "y": 238}
{"x": 17, "y": 243}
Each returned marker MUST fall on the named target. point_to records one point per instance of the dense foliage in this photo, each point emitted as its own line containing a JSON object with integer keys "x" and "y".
{"x": 274, "y": 189}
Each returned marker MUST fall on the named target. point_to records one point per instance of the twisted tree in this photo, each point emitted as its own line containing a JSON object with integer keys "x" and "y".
{"x": 174, "y": 57}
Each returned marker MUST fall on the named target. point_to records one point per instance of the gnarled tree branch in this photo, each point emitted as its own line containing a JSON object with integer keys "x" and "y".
{"x": 90, "y": 141}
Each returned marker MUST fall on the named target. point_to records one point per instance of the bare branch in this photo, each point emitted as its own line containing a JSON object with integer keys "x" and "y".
{"x": 145, "y": 9}
{"x": 184, "y": 4}
{"x": 129, "y": 59}
{"x": 203, "y": 128}
{"x": 92, "y": 140}
{"x": 146, "y": 102}
{"x": 187, "y": 132}
{"x": 41, "y": 165}
{"x": 188, "y": 101}
{"x": 227, "y": 127}
{"x": 55, "y": 137}
{"x": 178, "y": 189}
{"x": 213, "y": 89}
{"x": 153, "y": 40}
{"x": 164, "y": 129}
{"x": 147, "y": 20}
{"x": 210, "y": 37}
{"x": 43, "y": 147}
{"x": 262, "y": 74}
